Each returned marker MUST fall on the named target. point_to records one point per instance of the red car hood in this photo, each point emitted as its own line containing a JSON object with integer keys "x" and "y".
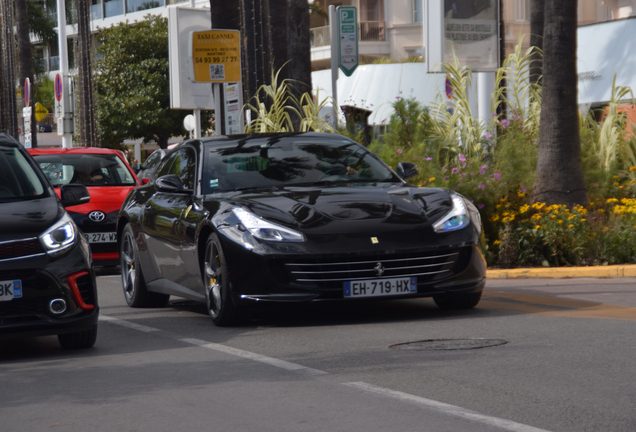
{"x": 104, "y": 198}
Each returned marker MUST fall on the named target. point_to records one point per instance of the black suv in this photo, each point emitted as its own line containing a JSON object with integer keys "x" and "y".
{"x": 47, "y": 281}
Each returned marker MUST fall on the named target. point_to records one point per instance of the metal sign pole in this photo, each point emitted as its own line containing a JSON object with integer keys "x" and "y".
{"x": 335, "y": 56}
{"x": 67, "y": 133}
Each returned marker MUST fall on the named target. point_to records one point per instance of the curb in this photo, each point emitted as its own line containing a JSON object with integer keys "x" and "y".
{"x": 610, "y": 271}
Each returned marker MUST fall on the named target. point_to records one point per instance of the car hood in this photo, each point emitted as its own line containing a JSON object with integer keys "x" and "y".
{"x": 24, "y": 219}
{"x": 307, "y": 208}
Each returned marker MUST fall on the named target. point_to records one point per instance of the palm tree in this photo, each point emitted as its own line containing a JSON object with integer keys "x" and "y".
{"x": 559, "y": 169}
{"x": 8, "y": 105}
{"x": 25, "y": 60}
{"x": 86, "y": 114}
{"x": 537, "y": 15}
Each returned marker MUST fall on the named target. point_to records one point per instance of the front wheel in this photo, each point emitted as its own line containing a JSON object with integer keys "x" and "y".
{"x": 83, "y": 339}
{"x": 132, "y": 279}
{"x": 219, "y": 303}
{"x": 457, "y": 301}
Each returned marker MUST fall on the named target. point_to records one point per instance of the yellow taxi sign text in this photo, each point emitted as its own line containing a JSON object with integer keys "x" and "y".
{"x": 216, "y": 56}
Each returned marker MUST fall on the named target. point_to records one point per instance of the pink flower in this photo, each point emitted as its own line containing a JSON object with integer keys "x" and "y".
{"x": 505, "y": 123}
{"x": 497, "y": 176}
{"x": 480, "y": 206}
{"x": 494, "y": 114}
{"x": 454, "y": 170}
{"x": 481, "y": 186}
{"x": 516, "y": 117}
{"x": 523, "y": 189}
{"x": 464, "y": 166}
{"x": 399, "y": 151}
{"x": 429, "y": 159}
{"x": 535, "y": 143}
{"x": 462, "y": 158}
{"x": 488, "y": 136}
{"x": 462, "y": 175}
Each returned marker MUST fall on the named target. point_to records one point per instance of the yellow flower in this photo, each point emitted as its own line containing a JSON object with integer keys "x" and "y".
{"x": 494, "y": 218}
{"x": 432, "y": 179}
{"x": 521, "y": 194}
{"x": 615, "y": 177}
{"x": 611, "y": 200}
{"x": 560, "y": 221}
{"x": 601, "y": 211}
{"x": 632, "y": 181}
{"x": 524, "y": 208}
{"x": 552, "y": 216}
{"x": 633, "y": 168}
{"x": 537, "y": 227}
{"x": 616, "y": 184}
{"x": 496, "y": 242}
{"x": 536, "y": 217}
{"x": 570, "y": 226}
{"x": 583, "y": 220}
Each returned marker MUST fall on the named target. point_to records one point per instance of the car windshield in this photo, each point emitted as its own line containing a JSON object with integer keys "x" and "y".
{"x": 86, "y": 169}
{"x": 290, "y": 161}
{"x": 18, "y": 179}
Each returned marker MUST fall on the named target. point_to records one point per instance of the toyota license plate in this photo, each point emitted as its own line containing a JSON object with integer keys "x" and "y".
{"x": 104, "y": 237}
{"x": 380, "y": 287}
{"x": 10, "y": 289}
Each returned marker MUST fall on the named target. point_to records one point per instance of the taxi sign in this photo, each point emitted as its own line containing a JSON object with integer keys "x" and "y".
{"x": 40, "y": 111}
{"x": 216, "y": 56}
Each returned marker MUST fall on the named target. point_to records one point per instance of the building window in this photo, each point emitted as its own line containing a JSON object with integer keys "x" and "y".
{"x": 523, "y": 10}
{"x": 417, "y": 11}
{"x": 140, "y": 5}
{"x": 96, "y": 9}
{"x": 113, "y": 8}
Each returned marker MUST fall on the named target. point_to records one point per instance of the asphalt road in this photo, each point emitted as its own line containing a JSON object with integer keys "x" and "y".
{"x": 566, "y": 361}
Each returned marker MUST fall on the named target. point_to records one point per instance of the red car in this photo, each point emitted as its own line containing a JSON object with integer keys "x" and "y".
{"x": 108, "y": 178}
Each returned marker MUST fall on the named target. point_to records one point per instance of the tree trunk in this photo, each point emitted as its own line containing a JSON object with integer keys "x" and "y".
{"x": 25, "y": 61}
{"x": 290, "y": 30}
{"x": 8, "y": 99}
{"x": 559, "y": 169}
{"x": 537, "y": 16}
{"x": 87, "y": 121}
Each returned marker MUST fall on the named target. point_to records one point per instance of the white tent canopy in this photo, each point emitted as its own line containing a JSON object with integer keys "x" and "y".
{"x": 375, "y": 87}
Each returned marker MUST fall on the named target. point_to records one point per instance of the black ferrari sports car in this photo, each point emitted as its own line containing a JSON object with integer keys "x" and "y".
{"x": 235, "y": 220}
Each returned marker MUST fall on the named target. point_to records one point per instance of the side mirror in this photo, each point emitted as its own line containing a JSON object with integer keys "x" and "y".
{"x": 74, "y": 194}
{"x": 171, "y": 183}
{"x": 145, "y": 181}
{"x": 407, "y": 170}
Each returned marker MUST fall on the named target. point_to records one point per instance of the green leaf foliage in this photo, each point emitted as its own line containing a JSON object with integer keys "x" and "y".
{"x": 132, "y": 84}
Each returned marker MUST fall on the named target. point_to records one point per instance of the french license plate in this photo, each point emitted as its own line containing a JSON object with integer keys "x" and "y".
{"x": 104, "y": 237}
{"x": 380, "y": 287}
{"x": 10, "y": 289}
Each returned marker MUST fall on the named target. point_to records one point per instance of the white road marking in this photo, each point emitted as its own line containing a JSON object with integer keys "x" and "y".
{"x": 252, "y": 356}
{"x": 128, "y": 324}
{"x": 438, "y": 406}
{"x": 447, "y": 408}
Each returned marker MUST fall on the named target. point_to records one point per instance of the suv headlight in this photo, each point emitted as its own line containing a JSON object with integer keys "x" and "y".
{"x": 456, "y": 219}
{"x": 60, "y": 236}
{"x": 264, "y": 230}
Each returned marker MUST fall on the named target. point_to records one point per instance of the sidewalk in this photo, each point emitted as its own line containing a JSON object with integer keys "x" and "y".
{"x": 610, "y": 271}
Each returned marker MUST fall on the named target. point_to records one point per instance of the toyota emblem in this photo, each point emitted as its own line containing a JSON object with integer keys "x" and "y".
{"x": 96, "y": 216}
{"x": 379, "y": 269}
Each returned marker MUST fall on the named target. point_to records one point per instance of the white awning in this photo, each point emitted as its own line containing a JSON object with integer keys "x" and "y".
{"x": 375, "y": 87}
{"x": 603, "y": 49}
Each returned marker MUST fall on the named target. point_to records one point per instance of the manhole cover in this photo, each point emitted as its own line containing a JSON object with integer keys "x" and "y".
{"x": 449, "y": 344}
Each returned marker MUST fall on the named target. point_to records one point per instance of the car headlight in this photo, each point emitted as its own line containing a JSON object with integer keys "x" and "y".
{"x": 60, "y": 236}
{"x": 264, "y": 230}
{"x": 456, "y": 219}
